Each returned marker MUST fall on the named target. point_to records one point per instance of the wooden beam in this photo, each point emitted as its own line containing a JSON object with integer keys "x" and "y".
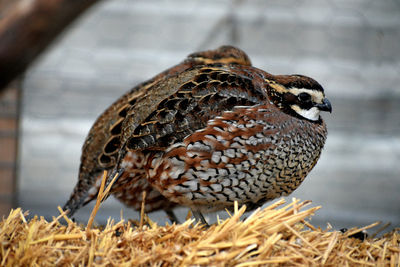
{"x": 27, "y": 27}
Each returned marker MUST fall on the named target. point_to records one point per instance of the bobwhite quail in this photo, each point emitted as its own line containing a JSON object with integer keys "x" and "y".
{"x": 205, "y": 133}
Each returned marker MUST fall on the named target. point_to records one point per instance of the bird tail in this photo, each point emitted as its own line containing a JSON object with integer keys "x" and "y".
{"x": 85, "y": 191}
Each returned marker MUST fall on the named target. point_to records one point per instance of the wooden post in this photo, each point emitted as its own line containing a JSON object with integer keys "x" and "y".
{"x": 27, "y": 27}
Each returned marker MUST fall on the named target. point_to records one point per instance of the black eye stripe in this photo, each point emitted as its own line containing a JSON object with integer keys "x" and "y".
{"x": 303, "y": 100}
{"x": 304, "y": 97}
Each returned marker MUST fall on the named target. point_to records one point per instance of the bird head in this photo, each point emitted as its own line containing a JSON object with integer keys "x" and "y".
{"x": 298, "y": 95}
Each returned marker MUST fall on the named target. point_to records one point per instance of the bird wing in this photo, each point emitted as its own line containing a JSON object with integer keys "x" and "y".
{"x": 177, "y": 107}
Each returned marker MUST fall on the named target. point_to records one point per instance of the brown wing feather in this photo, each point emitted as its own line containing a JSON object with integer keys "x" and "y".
{"x": 202, "y": 94}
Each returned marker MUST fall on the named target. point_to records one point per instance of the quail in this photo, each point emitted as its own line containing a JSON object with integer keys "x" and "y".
{"x": 206, "y": 133}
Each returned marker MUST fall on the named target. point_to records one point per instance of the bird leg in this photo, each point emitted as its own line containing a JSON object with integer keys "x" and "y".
{"x": 199, "y": 217}
{"x": 172, "y": 217}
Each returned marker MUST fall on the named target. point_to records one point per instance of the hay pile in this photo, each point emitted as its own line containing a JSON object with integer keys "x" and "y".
{"x": 275, "y": 236}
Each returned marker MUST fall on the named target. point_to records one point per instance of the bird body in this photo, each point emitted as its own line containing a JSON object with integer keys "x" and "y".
{"x": 205, "y": 133}
{"x": 242, "y": 156}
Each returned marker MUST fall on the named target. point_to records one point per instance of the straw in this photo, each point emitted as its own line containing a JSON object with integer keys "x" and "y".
{"x": 278, "y": 235}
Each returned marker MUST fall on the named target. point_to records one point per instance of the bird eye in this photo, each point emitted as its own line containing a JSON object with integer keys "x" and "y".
{"x": 304, "y": 97}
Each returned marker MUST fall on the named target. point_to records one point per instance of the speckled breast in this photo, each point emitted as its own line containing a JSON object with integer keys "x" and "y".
{"x": 243, "y": 155}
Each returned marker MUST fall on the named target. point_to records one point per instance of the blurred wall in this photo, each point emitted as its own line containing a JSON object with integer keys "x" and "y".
{"x": 9, "y": 108}
{"x": 350, "y": 47}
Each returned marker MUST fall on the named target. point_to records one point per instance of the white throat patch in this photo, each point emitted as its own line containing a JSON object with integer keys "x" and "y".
{"x": 311, "y": 114}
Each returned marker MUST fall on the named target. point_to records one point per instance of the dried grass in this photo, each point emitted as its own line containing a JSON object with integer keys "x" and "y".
{"x": 276, "y": 235}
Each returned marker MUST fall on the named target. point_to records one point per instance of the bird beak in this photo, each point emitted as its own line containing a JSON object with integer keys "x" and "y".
{"x": 325, "y": 106}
